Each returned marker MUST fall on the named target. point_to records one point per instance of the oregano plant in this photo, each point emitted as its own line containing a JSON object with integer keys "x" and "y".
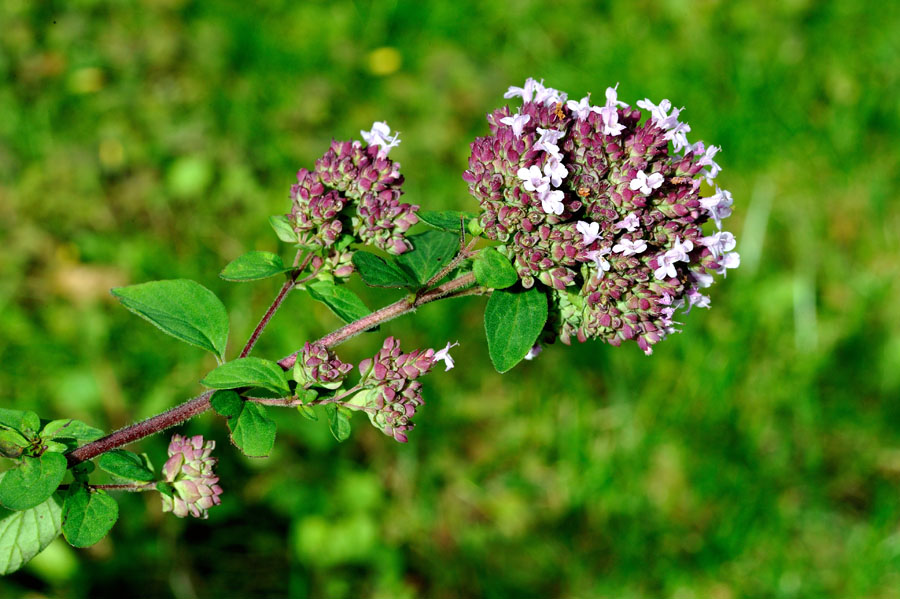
{"x": 593, "y": 222}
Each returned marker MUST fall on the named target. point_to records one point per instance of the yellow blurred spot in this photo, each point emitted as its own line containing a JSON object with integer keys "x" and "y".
{"x": 111, "y": 153}
{"x": 86, "y": 81}
{"x": 384, "y": 61}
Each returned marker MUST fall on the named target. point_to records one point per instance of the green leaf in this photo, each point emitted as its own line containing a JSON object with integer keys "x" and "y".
{"x": 251, "y": 430}
{"x": 307, "y": 396}
{"x": 87, "y": 515}
{"x": 26, "y": 533}
{"x": 12, "y": 443}
{"x": 445, "y": 220}
{"x": 432, "y": 251}
{"x": 338, "y": 421}
{"x": 32, "y": 481}
{"x": 248, "y": 372}
{"x": 308, "y": 412}
{"x": 344, "y": 303}
{"x": 125, "y": 464}
{"x": 70, "y": 429}
{"x": 254, "y": 266}
{"x": 493, "y": 269}
{"x": 182, "y": 308}
{"x": 513, "y": 321}
{"x": 26, "y": 423}
{"x": 283, "y": 228}
{"x": 379, "y": 272}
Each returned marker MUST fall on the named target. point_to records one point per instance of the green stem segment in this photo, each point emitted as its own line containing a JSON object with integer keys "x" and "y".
{"x": 201, "y": 403}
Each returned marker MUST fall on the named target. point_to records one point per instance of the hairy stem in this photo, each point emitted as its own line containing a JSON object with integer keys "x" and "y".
{"x": 200, "y": 403}
{"x": 279, "y": 299}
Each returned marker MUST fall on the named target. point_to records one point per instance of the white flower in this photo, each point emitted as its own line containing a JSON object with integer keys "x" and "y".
{"x": 555, "y": 170}
{"x": 549, "y": 96}
{"x": 612, "y": 97}
{"x": 598, "y": 257}
{"x": 533, "y": 178}
{"x": 590, "y": 232}
{"x": 702, "y": 279}
{"x": 718, "y": 205}
{"x": 719, "y": 242}
{"x": 610, "y": 117}
{"x": 517, "y": 122}
{"x": 695, "y": 298}
{"x": 548, "y": 139}
{"x": 526, "y": 92}
{"x": 380, "y": 135}
{"x": 444, "y": 356}
{"x": 627, "y": 247}
{"x": 630, "y": 223}
{"x": 666, "y": 269}
{"x": 678, "y": 133}
{"x": 582, "y": 108}
{"x": 645, "y": 183}
{"x": 729, "y": 260}
{"x": 534, "y": 352}
{"x": 658, "y": 113}
{"x": 551, "y": 202}
{"x": 679, "y": 251}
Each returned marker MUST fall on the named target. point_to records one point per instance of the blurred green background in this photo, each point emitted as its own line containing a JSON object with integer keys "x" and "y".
{"x": 755, "y": 455}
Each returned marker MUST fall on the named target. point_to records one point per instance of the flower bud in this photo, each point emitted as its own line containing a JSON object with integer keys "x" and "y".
{"x": 190, "y": 474}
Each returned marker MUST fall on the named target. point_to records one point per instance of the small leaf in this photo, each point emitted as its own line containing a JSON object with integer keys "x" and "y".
{"x": 254, "y": 266}
{"x": 125, "y": 464}
{"x": 87, "y": 515}
{"x": 182, "y": 308}
{"x": 70, "y": 429}
{"x": 24, "y": 422}
{"x": 252, "y": 431}
{"x": 513, "y": 321}
{"x": 493, "y": 269}
{"x": 338, "y": 421}
{"x": 344, "y": 303}
{"x": 32, "y": 481}
{"x": 248, "y": 372}
{"x": 379, "y": 272}
{"x": 445, "y": 220}
{"x": 308, "y": 412}
{"x": 26, "y": 533}
{"x": 12, "y": 443}
{"x": 432, "y": 251}
{"x": 283, "y": 228}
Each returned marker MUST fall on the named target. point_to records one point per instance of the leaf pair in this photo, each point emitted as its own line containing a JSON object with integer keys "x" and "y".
{"x": 432, "y": 251}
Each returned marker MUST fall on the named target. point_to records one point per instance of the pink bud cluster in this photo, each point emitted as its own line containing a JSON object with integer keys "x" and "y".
{"x": 393, "y": 393}
{"x": 602, "y": 205}
{"x": 190, "y": 472}
{"x": 352, "y": 194}
{"x": 321, "y": 367}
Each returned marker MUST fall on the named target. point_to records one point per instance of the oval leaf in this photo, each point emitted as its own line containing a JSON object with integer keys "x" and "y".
{"x": 252, "y": 431}
{"x": 27, "y": 423}
{"x": 432, "y": 251}
{"x": 70, "y": 429}
{"x": 254, "y": 266}
{"x": 283, "y": 228}
{"x": 87, "y": 515}
{"x": 513, "y": 321}
{"x": 344, "y": 303}
{"x": 445, "y": 220}
{"x": 493, "y": 269}
{"x": 32, "y": 481}
{"x": 125, "y": 464}
{"x": 26, "y": 533}
{"x": 248, "y": 372}
{"x": 182, "y": 308}
{"x": 338, "y": 421}
{"x": 378, "y": 272}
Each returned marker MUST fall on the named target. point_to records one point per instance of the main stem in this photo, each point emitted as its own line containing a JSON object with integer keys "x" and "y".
{"x": 201, "y": 403}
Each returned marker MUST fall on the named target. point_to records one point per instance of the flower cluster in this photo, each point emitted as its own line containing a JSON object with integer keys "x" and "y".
{"x": 603, "y": 206}
{"x": 354, "y": 190}
{"x": 189, "y": 471}
{"x": 318, "y": 366}
{"x": 392, "y": 392}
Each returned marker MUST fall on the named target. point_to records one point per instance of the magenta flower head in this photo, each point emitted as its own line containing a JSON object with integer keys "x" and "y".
{"x": 352, "y": 195}
{"x": 392, "y": 394}
{"x": 603, "y": 207}
{"x": 189, "y": 472}
{"x": 317, "y": 366}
